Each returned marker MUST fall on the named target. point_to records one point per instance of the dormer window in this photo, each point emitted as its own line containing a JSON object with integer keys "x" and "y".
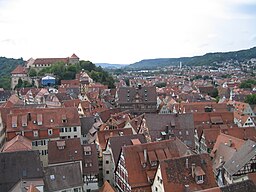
{"x": 49, "y": 131}
{"x": 64, "y": 119}
{"x": 35, "y": 133}
{"x": 199, "y": 175}
{"x": 14, "y": 121}
{"x": 61, "y": 144}
{"x": 39, "y": 119}
{"x": 87, "y": 150}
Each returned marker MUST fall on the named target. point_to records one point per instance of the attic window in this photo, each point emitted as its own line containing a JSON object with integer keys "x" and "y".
{"x": 199, "y": 173}
{"x": 39, "y": 119}
{"x": 87, "y": 150}
{"x": 14, "y": 121}
{"x": 52, "y": 177}
{"x": 61, "y": 144}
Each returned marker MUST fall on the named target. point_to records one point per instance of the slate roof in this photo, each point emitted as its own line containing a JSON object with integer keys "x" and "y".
{"x": 178, "y": 123}
{"x": 86, "y": 124}
{"x": 241, "y": 157}
{"x": 65, "y": 176}
{"x": 5, "y": 95}
{"x": 117, "y": 142}
{"x": 146, "y": 94}
{"x": 242, "y": 186}
{"x": 17, "y": 165}
{"x": 104, "y": 135}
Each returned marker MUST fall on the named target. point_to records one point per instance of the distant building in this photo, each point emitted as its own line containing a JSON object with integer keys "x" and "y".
{"x": 48, "y": 81}
{"x": 41, "y": 63}
{"x": 137, "y": 99}
{"x": 19, "y": 72}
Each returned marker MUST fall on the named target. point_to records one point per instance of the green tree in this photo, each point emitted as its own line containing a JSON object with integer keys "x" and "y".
{"x": 251, "y": 99}
{"x": 32, "y": 72}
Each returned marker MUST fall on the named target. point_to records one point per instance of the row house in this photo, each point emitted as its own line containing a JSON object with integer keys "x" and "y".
{"x": 135, "y": 123}
{"x": 138, "y": 100}
{"x": 234, "y": 159}
{"x": 102, "y": 137}
{"x": 243, "y": 120}
{"x": 69, "y": 151}
{"x": 112, "y": 152}
{"x": 189, "y": 173}
{"x": 213, "y": 121}
{"x": 137, "y": 164}
{"x": 42, "y": 125}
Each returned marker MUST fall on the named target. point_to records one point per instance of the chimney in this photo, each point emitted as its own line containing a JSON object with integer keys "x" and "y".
{"x": 186, "y": 188}
{"x": 136, "y": 122}
{"x": 29, "y": 116}
{"x": 193, "y": 169}
{"x": 221, "y": 159}
{"x": 145, "y": 155}
{"x": 230, "y": 142}
{"x": 187, "y": 163}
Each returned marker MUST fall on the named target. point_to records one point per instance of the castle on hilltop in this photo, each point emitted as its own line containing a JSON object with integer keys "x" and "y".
{"x": 41, "y": 63}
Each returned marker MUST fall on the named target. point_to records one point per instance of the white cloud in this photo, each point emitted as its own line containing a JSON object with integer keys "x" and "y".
{"x": 120, "y": 31}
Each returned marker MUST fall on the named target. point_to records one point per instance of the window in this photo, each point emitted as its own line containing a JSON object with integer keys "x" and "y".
{"x": 180, "y": 133}
{"x": 75, "y": 129}
{"x": 187, "y": 133}
{"x": 156, "y": 189}
{"x": 200, "y": 179}
{"x": 107, "y": 162}
{"x": 62, "y": 130}
{"x": 49, "y": 131}
{"x": 107, "y": 172}
{"x": 35, "y": 133}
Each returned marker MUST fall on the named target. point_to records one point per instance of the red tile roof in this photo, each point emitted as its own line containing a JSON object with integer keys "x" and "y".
{"x": 18, "y": 143}
{"x": 176, "y": 173}
{"x": 136, "y": 155}
{"x": 19, "y": 70}
{"x": 50, "y": 60}
{"x": 68, "y": 150}
{"x": 106, "y": 187}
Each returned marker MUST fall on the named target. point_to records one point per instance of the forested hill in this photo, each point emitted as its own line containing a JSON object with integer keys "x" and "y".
{"x": 207, "y": 59}
{"x": 9, "y": 64}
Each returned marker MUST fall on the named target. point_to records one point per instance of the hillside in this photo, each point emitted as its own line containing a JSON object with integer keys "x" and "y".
{"x": 7, "y": 65}
{"x": 207, "y": 59}
{"x": 109, "y": 65}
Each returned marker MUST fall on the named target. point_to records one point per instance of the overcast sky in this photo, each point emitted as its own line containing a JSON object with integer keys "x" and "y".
{"x": 124, "y": 31}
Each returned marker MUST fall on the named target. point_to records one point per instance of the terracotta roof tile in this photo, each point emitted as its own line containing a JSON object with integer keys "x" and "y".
{"x": 18, "y": 143}
{"x": 134, "y": 156}
{"x": 176, "y": 174}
